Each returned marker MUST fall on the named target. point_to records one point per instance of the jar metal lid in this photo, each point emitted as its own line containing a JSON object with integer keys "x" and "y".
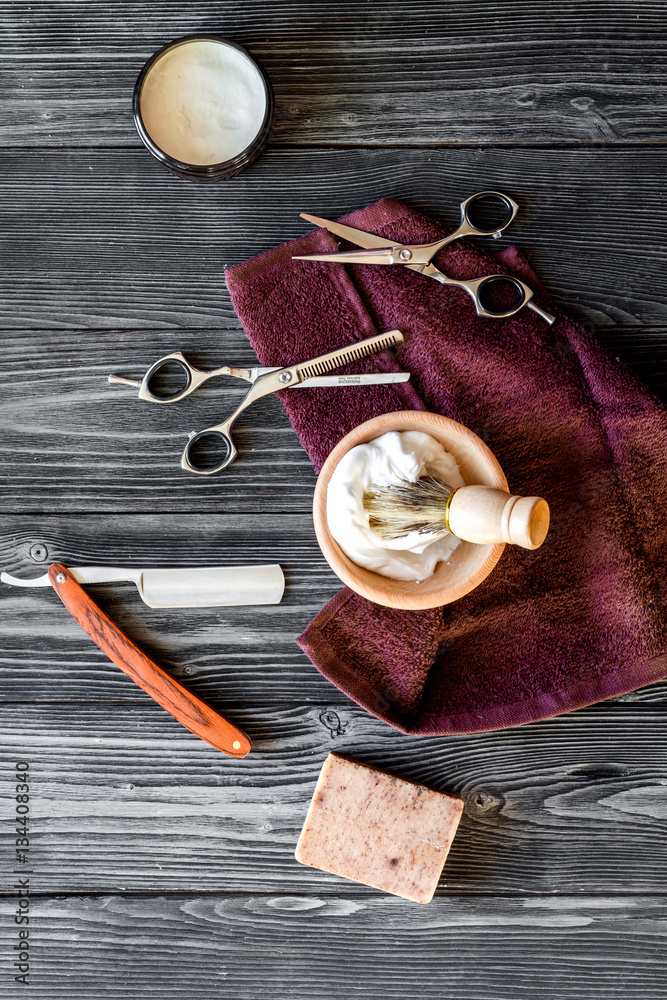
{"x": 213, "y": 171}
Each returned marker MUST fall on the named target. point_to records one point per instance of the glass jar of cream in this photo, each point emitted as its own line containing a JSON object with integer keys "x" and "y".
{"x": 203, "y": 107}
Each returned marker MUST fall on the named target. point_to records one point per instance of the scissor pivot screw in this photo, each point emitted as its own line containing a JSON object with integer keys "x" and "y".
{"x": 405, "y": 254}
{"x": 285, "y": 377}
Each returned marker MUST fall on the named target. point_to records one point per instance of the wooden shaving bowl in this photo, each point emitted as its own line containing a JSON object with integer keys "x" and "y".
{"x": 467, "y": 566}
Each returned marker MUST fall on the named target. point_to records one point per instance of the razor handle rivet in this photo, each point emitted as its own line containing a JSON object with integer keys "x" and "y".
{"x": 61, "y": 578}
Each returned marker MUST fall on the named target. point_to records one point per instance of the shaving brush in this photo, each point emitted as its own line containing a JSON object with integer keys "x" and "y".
{"x": 480, "y": 514}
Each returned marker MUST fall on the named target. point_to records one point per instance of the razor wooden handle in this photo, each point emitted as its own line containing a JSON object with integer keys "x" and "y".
{"x": 186, "y": 707}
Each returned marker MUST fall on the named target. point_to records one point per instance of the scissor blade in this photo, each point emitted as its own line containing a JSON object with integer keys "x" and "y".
{"x": 357, "y": 236}
{"x": 353, "y": 257}
{"x": 384, "y": 378}
{"x": 317, "y": 367}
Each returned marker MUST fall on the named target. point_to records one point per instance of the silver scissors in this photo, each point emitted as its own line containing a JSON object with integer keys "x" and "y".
{"x": 418, "y": 257}
{"x": 263, "y": 381}
{"x": 152, "y": 391}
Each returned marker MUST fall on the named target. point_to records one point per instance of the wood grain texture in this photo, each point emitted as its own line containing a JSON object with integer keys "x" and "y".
{"x": 347, "y": 73}
{"x": 91, "y": 443}
{"x": 274, "y": 947}
{"x": 72, "y": 442}
{"x": 228, "y": 656}
{"x": 123, "y": 798}
{"x": 239, "y": 655}
{"x": 555, "y": 886}
{"x": 105, "y": 240}
{"x": 76, "y": 443}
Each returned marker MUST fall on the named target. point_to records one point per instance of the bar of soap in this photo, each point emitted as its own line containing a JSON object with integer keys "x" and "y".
{"x": 385, "y": 832}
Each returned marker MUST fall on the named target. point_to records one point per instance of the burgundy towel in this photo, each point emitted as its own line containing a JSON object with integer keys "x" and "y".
{"x": 578, "y": 620}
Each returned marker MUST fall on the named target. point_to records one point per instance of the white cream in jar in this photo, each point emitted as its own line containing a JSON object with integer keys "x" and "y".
{"x": 203, "y": 102}
{"x": 395, "y": 456}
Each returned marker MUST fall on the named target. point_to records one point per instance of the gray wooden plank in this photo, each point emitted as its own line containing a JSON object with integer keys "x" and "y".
{"x": 98, "y": 239}
{"x": 92, "y": 446}
{"x": 124, "y": 799}
{"x": 453, "y": 72}
{"x": 107, "y": 258}
{"x": 381, "y": 948}
{"x": 74, "y": 443}
{"x": 227, "y": 655}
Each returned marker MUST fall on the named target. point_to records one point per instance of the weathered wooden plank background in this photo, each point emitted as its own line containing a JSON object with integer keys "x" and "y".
{"x": 160, "y": 867}
{"x": 350, "y": 73}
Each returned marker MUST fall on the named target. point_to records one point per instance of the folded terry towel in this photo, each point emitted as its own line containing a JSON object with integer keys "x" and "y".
{"x": 578, "y": 620}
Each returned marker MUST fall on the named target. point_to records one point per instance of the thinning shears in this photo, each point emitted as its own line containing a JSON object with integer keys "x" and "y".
{"x": 263, "y": 382}
{"x": 418, "y": 257}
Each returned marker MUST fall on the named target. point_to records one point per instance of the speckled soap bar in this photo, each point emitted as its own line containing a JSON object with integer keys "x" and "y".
{"x": 373, "y": 828}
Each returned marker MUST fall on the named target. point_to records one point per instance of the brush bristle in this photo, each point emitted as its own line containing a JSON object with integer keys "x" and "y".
{"x": 396, "y": 511}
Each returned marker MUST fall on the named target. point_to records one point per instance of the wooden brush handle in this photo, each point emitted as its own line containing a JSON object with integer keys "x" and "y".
{"x": 486, "y": 515}
{"x": 186, "y": 707}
